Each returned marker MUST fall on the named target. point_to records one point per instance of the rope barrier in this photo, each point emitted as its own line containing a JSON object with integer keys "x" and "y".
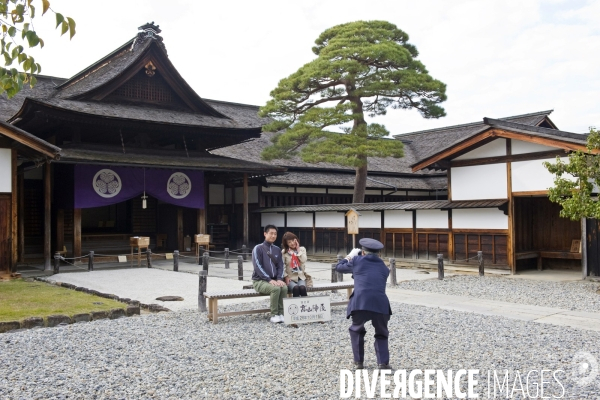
{"x": 76, "y": 266}
{"x": 466, "y": 259}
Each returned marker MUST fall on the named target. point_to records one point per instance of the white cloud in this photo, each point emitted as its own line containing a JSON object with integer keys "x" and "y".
{"x": 498, "y": 58}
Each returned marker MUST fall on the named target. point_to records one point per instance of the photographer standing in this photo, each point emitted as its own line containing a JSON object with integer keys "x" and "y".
{"x": 368, "y": 301}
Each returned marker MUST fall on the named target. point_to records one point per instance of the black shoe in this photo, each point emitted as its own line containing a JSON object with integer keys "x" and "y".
{"x": 358, "y": 365}
{"x": 384, "y": 366}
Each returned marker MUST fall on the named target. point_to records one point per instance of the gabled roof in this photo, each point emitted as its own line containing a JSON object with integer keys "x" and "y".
{"x": 423, "y": 144}
{"x": 502, "y": 128}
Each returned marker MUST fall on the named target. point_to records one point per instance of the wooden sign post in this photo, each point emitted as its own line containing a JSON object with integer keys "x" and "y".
{"x": 352, "y": 216}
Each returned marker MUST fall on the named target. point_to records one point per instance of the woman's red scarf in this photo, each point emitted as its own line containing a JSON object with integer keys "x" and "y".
{"x": 295, "y": 263}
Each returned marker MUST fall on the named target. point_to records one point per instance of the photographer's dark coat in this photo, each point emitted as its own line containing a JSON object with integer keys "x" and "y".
{"x": 370, "y": 276}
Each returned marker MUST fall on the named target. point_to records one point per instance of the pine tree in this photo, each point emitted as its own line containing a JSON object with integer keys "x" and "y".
{"x": 362, "y": 68}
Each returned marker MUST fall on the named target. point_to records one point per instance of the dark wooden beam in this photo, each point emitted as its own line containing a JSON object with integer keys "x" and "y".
{"x": 60, "y": 229}
{"x": 47, "y": 217}
{"x": 14, "y": 244}
{"x": 77, "y": 232}
{"x": 21, "y": 216}
{"x": 246, "y": 232}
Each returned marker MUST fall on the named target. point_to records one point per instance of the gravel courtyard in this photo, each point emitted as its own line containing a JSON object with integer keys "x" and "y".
{"x": 180, "y": 355}
{"x": 578, "y": 295}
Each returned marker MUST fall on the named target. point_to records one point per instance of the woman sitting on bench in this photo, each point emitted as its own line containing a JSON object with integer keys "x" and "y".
{"x": 294, "y": 259}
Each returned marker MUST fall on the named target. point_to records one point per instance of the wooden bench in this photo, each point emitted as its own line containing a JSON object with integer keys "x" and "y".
{"x": 214, "y": 297}
{"x": 539, "y": 255}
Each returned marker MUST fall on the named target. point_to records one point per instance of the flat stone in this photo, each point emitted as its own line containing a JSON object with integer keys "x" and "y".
{"x": 82, "y": 318}
{"x": 156, "y": 308}
{"x": 32, "y": 322}
{"x": 9, "y": 326}
{"x": 54, "y": 320}
{"x": 79, "y": 289}
{"x": 134, "y": 303}
{"x": 117, "y": 313}
{"x": 114, "y": 297}
{"x": 99, "y": 315}
{"x": 132, "y": 310}
{"x": 170, "y": 298}
{"x": 125, "y": 300}
{"x": 68, "y": 285}
{"x": 422, "y": 272}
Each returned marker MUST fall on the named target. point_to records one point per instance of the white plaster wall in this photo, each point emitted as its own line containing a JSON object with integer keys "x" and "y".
{"x": 300, "y": 220}
{"x": 278, "y": 189}
{"x": 432, "y": 219}
{"x": 492, "y": 149}
{"x": 330, "y": 220}
{"x": 341, "y": 191}
{"x": 252, "y": 195}
{"x": 397, "y": 219}
{"x": 479, "y": 218}
{"x": 272, "y": 219}
{"x": 532, "y": 175}
{"x": 369, "y": 219}
{"x": 521, "y": 147}
{"x": 216, "y": 194}
{"x": 5, "y": 170}
{"x": 311, "y": 190}
{"x": 479, "y": 182}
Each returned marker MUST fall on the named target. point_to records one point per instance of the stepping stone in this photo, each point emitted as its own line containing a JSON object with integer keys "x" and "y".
{"x": 421, "y": 272}
{"x": 170, "y": 298}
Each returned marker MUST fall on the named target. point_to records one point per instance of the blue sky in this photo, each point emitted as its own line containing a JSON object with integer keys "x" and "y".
{"x": 498, "y": 58}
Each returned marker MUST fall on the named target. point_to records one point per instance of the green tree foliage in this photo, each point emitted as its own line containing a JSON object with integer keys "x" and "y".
{"x": 16, "y": 21}
{"x": 362, "y": 68}
{"x": 574, "y": 181}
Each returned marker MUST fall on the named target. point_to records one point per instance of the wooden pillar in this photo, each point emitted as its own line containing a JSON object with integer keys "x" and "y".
{"x": 180, "y": 229}
{"x": 450, "y": 238}
{"x": 21, "y": 216}
{"x": 47, "y": 218}
{"x": 415, "y": 246}
{"x": 77, "y": 232}
{"x": 60, "y": 229}
{"x": 14, "y": 244}
{"x": 584, "y": 242}
{"x": 510, "y": 245}
{"x": 246, "y": 229}
{"x": 314, "y": 233}
{"x": 202, "y": 220}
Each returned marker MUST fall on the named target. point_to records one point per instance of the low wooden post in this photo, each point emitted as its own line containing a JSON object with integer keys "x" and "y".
{"x": 480, "y": 261}
{"x": 205, "y": 257}
{"x": 149, "y": 257}
{"x": 334, "y": 276}
{"x": 244, "y": 252}
{"x": 240, "y": 268}
{"x": 202, "y": 281}
{"x": 440, "y": 258}
{"x": 91, "y": 261}
{"x": 226, "y": 258}
{"x": 176, "y": 260}
{"x": 56, "y": 262}
{"x": 393, "y": 280}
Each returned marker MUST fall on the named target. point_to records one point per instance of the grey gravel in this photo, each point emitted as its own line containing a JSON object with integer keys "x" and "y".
{"x": 574, "y": 296}
{"x": 181, "y": 355}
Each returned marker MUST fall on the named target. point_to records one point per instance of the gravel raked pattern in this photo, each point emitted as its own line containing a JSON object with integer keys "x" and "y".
{"x": 574, "y": 296}
{"x": 181, "y": 355}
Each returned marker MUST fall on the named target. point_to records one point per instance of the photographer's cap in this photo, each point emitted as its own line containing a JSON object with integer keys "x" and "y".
{"x": 371, "y": 244}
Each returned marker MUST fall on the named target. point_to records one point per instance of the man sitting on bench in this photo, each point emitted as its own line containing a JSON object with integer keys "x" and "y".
{"x": 267, "y": 277}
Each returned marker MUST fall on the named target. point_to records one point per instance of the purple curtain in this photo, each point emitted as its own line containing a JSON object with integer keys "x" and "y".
{"x": 102, "y": 185}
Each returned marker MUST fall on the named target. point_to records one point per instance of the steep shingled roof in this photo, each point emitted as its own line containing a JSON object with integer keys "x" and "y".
{"x": 423, "y": 144}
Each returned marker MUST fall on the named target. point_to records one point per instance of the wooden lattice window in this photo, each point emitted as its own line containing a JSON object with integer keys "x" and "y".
{"x": 150, "y": 89}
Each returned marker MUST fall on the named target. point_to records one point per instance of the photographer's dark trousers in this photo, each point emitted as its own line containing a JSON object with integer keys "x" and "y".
{"x": 358, "y": 331}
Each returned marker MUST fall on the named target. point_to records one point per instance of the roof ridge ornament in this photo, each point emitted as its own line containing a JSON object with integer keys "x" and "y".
{"x": 148, "y": 31}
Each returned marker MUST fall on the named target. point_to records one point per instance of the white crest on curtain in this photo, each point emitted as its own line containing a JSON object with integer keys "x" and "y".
{"x": 107, "y": 183}
{"x": 179, "y": 185}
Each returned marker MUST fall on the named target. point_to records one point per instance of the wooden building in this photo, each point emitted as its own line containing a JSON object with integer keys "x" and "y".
{"x": 497, "y": 201}
{"x": 128, "y": 119}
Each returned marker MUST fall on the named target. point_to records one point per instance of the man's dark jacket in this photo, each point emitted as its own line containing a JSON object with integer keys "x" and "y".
{"x": 370, "y": 277}
{"x": 265, "y": 268}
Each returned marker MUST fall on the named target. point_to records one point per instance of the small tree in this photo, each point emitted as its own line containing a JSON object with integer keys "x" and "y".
{"x": 16, "y": 27}
{"x": 362, "y": 67}
{"x": 576, "y": 195}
